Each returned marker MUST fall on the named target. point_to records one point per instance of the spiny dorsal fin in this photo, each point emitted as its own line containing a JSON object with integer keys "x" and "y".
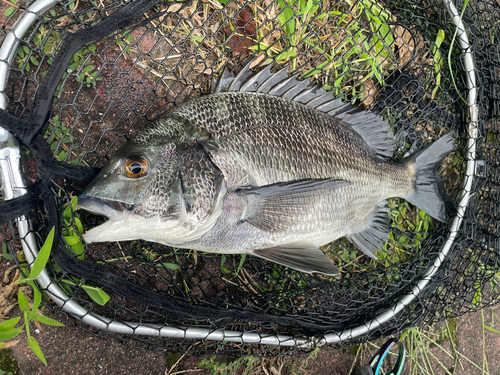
{"x": 375, "y": 131}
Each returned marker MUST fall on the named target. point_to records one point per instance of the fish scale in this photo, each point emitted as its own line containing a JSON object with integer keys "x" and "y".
{"x": 265, "y": 165}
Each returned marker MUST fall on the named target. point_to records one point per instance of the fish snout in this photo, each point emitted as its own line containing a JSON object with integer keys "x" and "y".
{"x": 112, "y": 210}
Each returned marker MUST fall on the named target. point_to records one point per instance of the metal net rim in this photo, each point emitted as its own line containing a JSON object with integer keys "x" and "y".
{"x": 30, "y": 249}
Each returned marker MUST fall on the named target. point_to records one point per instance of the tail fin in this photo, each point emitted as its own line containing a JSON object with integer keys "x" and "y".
{"x": 428, "y": 194}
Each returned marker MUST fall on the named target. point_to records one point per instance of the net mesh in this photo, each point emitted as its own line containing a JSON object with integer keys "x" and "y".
{"x": 394, "y": 58}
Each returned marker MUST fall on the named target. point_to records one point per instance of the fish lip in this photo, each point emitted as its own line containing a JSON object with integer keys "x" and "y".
{"x": 104, "y": 207}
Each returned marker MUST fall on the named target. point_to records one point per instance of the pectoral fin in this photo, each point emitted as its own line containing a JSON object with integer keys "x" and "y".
{"x": 279, "y": 207}
{"x": 308, "y": 258}
{"x": 375, "y": 234}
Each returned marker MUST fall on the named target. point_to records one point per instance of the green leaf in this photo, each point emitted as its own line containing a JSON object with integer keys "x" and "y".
{"x": 42, "y": 257}
{"x": 72, "y": 240}
{"x": 23, "y": 301}
{"x": 62, "y": 155}
{"x": 79, "y": 250}
{"x": 5, "y": 254}
{"x": 7, "y": 335}
{"x": 222, "y": 262}
{"x": 70, "y": 282}
{"x": 243, "y": 258}
{"x": 47, "y": 48}
{"x": 9, "y": 11}
{"x": 34, "y": 61}
{"x": 36, "y": 349}
{"x": 439, "y": 38}
{"x": 78, "y": 223}
{"x": 171, "y": 266}
{"x": 46, "y": 320}
{"x": 286, "y": 15}
{"x": 67, "y": 215}
{"x": 9, "y": 324}
{"x": 97, "y": 294}
{"x": 491, "y": 329}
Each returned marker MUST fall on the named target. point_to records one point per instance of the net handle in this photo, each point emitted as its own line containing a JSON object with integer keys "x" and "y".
{"x": 15, "y": 184}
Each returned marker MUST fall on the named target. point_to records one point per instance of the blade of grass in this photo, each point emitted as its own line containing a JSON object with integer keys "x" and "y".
{"x": 42, "y": 257}
{"x": 97, "y": 294}
{"x": 36, "y": 349}
{"x": 9, "y": 324}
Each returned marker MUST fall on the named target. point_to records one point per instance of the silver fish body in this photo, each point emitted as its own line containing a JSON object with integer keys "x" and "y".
{"x": 266, "y": 165}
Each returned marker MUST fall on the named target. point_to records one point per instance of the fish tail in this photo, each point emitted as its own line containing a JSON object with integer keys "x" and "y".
{"x": 428, "y": 192}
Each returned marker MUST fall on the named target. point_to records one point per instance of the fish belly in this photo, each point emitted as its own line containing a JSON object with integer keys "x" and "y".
{"x": 329, "y": 218}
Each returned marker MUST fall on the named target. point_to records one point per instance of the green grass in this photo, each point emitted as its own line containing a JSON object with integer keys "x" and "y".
{"x": 354, "y": 50}
{"x": 429, "y": 348}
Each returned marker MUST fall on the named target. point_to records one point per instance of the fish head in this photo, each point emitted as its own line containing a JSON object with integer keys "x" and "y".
{"x": 142, "y": 193}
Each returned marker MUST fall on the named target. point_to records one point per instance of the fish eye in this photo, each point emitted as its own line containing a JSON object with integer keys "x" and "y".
{"x": 136, "y": 166}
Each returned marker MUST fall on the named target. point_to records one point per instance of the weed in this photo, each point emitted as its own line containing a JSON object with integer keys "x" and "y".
{"x": 81, "y": 64}
{"x": 5, "y": 254}
{"x": 73, "y": 228}
{"x": 72, "y": 232}
{"x": 8, "y": 329}
{"x": 47, "y": 39}
{"x": 11, "y": 9}
{"x": 247, "y": 365}
{"x": 58, "y": 136}
{"x": 438, "y": 60}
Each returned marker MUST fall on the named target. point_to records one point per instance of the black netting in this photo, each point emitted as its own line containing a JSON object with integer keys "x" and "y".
{"x": 390, "y": 57}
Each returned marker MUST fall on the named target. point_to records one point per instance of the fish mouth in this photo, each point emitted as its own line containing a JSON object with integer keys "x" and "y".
{"x": 112, "y": 210}
{"x": 116, "y": 213}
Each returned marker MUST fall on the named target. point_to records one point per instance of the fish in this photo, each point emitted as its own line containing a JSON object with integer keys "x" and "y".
{"x": 267, "y": 164}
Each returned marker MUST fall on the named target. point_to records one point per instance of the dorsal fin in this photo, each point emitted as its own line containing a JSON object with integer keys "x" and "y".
{"x": 373, "y": 129}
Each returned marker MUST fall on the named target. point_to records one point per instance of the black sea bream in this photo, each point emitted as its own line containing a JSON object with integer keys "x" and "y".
{"x": 265, "y": 165}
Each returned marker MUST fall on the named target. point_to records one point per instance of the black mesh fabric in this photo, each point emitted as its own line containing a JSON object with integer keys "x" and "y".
{"x": 106, "y": 76}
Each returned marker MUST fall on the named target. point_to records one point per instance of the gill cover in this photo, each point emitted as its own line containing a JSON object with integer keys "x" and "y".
{"x": 166, "y": 194}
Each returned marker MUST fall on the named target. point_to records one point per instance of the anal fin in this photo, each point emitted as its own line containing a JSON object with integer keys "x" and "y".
{"x": 375, "y": 234}
{"x": 307, "y": 258}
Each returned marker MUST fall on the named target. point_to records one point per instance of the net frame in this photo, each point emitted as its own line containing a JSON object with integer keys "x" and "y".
{"x": 15, "y": 185}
